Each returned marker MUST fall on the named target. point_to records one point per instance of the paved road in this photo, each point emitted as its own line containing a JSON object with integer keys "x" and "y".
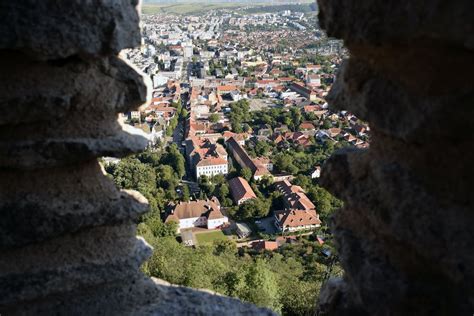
{"x": 268, "y": 225}
{"x": 178, "y": 134}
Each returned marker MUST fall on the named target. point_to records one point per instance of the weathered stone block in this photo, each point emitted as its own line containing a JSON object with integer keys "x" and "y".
{"x": 52, "y": 152}
{"x": 143, "y": 296}
{"x": 50, "y": 29}
{"x": 89, "y": 258}
{"x": 43, "y": 204}
{"x": 48, "y": 92}
{"x": 392, "y": 21}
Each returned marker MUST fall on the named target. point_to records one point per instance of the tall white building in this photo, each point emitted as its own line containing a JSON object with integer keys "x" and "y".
{"x": 211, "y": 166}
{"x": 188, "y": 52}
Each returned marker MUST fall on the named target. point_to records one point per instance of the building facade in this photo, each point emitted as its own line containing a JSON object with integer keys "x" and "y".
{"x": 299, "y": 213}
{"x": 241, "y": 190}
{"x": 201, "y": 213}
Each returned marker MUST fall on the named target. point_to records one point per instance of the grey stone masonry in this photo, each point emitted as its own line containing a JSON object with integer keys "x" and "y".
{"x": 405, "y": 234}
{"x": 67, "y": 235}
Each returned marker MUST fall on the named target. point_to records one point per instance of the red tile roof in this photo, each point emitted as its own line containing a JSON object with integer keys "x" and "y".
{"x": 193, "y": 209}
{"x": 264, "y": 245}
{"x": 228, "y": 88}
{"x": 307, "y": 126}
{"x": 240, "y": 189}
{"x": 295, "y": 197}
{"x": 212, "y": 162}
{"x": 295, "y": 218}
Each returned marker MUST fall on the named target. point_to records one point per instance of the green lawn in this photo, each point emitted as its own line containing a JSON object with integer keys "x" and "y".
{"x": 203, "y": 238}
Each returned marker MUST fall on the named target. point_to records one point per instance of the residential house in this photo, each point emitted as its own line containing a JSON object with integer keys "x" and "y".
{"x": 303, "y": 91}
{"x": 244, "y": 160}
{"x": 313, "y": 80}
{"x": 134, "y": 115}
{"x": 295, "y": 220}
{"x": 316, "y": 173}
{"x": 334, "y": 132}
{"x": 226, "y": 89}
{"x": 265, "y": 162}
{"x": 202, "y": 213}
{"x": 261, "y": 245}
{"x": 300, "y": 213}
{"x": 240, "y": 138}
{"x": 241, "y": 190}
{"x": 307, "y": 126}
{"x": 211, "y": 166}
{"x": 206, "y": 157}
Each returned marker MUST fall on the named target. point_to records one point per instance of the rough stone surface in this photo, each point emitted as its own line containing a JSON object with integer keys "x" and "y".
{"x": 334, "y": 295}
{"x": 405, "y": 233}
{"x": 67, "y": 234}
{"x": 67, "y": 87}
{"x": 89, "y": 258}
{"x": 365, "y": 87}
{"x": 143, "y": 296}
{"x": 31, "y": 154}
{"x": 42, "y": 204}
{"x": 47, "y": 30}
{"x": 377, "y": 22}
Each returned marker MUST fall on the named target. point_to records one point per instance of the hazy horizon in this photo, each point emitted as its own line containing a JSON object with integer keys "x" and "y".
{"x": 228, "y": 1}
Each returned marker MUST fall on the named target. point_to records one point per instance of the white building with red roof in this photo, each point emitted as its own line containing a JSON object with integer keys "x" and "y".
{"x": 206, "y": 157}
{"x": 294, "y": 220}
{"x": 241, "y": 190}
{"x": 300, "y": 213}
{"x": 211, "y": 166}
{"x": 244, "y": 160}
{"x": 202, "y": 213}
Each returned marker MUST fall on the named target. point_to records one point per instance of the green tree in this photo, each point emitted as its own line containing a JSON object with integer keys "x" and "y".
{"x": 130, "y": 173}
{"x": 266, "y": 182}
{"x": 224, "y": 247}
{"x": 150, "y": 157}
{"x": 262, "y": 148}
{"x": 295, "y": 117}
{"x": 184, "y": 113}
{"x": 325, "y": 203}
{"x": 167, "y": 181}
{"x": 246, "y": 173}
{"x": 303, "y": 181}
{"x": 160, "y": 229}
{"x": 175, "y": 159}
{"x": 327, "y": 124}
{"x": 223, "y": 192}
{"x": 239, "y": 114}
{"x": 284, "y": 163}
{"x": 254, "y": 208}
{"x": 206, "y": 186}
{"x": 214, "y": 118}
{"x": 234, "y": 283}
{"x": 185, "y": 194}
{"x": 261, "y": 287}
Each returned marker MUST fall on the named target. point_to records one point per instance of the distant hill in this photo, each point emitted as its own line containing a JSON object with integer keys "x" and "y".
{"x": 306, "y": 7}
{"x": 252, "y": 7}
{"x": 228, "y": 1}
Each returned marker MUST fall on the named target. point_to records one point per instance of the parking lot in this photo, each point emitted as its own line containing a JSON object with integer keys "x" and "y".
{"x": 260, "y": 104}
{"x": 267, "y": 225}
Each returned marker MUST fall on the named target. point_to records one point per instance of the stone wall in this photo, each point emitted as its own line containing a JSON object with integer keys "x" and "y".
{"x": 405, "y": 234}
{"x": 67, "y": 235}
